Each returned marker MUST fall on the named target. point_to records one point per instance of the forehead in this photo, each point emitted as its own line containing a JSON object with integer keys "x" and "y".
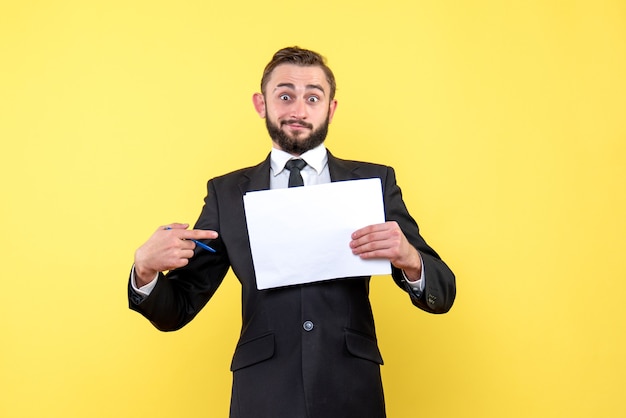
{"x": 298, "y": 76}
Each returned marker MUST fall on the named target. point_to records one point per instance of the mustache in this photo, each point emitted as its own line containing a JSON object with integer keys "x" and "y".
{"x": 297, "y": 122}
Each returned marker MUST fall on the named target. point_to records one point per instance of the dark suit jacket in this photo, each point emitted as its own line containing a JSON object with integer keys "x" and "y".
{"x": 304, "y": 351}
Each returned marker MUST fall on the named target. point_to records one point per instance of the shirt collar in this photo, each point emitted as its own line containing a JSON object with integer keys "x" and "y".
{"x": 317, "y": 158}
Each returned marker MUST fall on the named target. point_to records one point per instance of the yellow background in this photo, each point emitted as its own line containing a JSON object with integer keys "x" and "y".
{"x": 505, "y": 121}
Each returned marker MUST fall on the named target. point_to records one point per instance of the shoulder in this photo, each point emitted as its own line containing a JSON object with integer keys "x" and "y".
{"x": 360, "y": 169}
{"x": 356, "y": 163}
{"x": 242, "y": 174}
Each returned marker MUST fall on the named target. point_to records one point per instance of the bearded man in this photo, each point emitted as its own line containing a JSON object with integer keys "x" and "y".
{"x": 305, "y": 351}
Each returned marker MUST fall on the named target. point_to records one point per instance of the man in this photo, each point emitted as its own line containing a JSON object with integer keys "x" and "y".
{"x": 307, "y": 350}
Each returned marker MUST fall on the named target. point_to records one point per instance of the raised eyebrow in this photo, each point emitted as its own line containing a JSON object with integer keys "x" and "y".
{"x": 308, "y": 87}
{"x": 315, "y": 87}
{"x": 288, "y": 85}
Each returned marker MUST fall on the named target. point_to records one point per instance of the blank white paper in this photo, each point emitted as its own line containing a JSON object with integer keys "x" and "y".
{"x": 302, "y": 234}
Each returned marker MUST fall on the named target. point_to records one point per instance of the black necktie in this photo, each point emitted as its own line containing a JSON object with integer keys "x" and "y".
{"x": 294, "y": 167}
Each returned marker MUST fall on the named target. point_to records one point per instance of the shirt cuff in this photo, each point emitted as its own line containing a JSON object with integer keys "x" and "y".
{"x": 144, "y": 290}
{"x": 418, "y": 285}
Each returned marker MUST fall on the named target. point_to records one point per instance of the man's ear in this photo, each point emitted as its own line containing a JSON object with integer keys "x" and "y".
{"x": 331, "y": 110}
{"x": 259, "y": 104}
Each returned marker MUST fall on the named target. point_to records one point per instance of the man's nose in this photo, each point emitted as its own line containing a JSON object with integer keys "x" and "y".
{"x": 299, "y": 109}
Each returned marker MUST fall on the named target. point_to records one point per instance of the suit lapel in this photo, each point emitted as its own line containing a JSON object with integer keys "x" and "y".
{"x": 341, "y": 170}
{"x": 256, "y": 178}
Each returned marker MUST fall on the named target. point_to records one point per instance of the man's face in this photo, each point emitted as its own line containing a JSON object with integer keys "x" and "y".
{"x": 296, "y": 107}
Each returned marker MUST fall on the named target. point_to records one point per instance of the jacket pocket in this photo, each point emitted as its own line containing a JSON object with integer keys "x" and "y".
{"x": 362, "y": 346}
{"x": 253, "y": 351}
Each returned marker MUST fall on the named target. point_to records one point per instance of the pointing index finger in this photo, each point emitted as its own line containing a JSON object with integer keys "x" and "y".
{"x": 199, "y": 234}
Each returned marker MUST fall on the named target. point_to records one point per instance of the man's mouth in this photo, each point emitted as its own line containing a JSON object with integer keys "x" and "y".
{"x": 298, "y": 124}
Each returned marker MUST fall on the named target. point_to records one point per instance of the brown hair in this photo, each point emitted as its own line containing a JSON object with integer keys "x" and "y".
{"x": 298, "y": 56}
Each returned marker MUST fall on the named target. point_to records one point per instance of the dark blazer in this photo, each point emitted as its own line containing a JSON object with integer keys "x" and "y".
{"x": 304, "y": 351}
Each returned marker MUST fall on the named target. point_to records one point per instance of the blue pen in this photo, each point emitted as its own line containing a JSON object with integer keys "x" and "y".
{"x": 198, "y": 243}
{"x": 203, "y": 245}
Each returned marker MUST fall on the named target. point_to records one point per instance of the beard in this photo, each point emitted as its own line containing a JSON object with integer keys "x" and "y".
{"x": 298, "y": 144}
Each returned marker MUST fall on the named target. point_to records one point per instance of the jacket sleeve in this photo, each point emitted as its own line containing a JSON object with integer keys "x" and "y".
{"x": 180, "y": 294}
{"x": 440, "y": 290}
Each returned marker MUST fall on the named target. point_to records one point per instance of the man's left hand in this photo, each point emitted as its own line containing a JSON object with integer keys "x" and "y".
{"x": 387, "y": 241}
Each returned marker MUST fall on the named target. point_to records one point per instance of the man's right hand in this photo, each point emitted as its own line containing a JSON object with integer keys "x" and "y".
{"x": 168, "y": 248}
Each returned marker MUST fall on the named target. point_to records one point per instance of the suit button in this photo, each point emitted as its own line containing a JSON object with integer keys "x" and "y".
{"x": 308, "y": 326}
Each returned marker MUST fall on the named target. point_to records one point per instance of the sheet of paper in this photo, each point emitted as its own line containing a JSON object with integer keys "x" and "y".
{"x": 302, "y": 234}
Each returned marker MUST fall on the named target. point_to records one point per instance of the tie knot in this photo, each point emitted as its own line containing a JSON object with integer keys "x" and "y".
{"x": 294, "y": 167}
{"x": 298, "y": 164}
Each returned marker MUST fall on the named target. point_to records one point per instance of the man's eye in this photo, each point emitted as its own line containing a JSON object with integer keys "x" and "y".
{"x": 314, "y": 99}
{"x": 284, "y": 97}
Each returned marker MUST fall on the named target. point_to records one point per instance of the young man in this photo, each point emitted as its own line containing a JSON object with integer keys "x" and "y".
{"x": 307, "y": 350}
